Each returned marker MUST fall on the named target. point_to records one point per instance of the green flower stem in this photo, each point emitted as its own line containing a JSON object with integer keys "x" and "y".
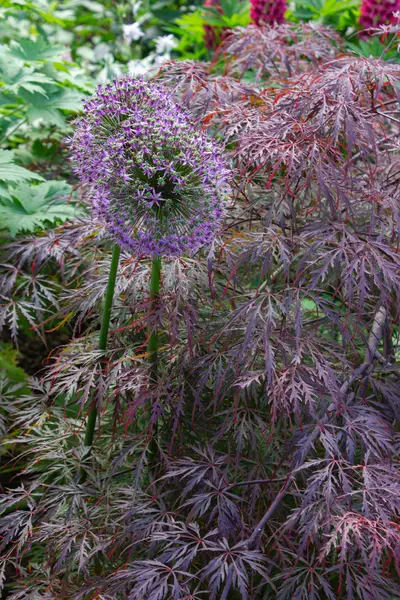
{"x": 152, "y": 346}
{"x": 105, "y": 326}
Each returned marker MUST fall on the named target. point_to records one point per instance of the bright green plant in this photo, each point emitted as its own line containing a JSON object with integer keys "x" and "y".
{"x": 26, "y": 207}
{"x": 10, "y": 172}
{"x": 190, "y": 27}
{"x": 232, "y": 13}
{"x": 373, "y": 46}
{"x": 341, "y": 14}
{"x": 37, "y": 95}
{"x": 9, "y": 365}
{"x": 36, "y": 90}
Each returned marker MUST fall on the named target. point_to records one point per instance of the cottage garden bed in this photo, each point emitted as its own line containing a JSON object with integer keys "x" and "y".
{"x": 200, "y": 285}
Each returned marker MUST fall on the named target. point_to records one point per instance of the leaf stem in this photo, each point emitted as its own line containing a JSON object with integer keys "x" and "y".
{"x": 12, "y": 130}
{"x": 105, "y": 326}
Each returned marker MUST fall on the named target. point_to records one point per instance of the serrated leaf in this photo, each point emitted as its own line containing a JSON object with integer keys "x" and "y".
{"x": 74, "y": 77}
{"x": 32, "y": 206}
{"x": 10, "y": 172}
{"x": 50, "y": 116}
{"x": 66, "y": 99}
{"x": 49, "y": 108}
{"x": 4, "y": 191}
{"x": 48, "y": 17}
{"x": 15, "y": 76}
{"x": 34, "y": 50}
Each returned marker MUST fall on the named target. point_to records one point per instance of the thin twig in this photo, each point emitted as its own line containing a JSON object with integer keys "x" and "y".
{"x": 371, "y": 354}
{"x": 253, "y": 482}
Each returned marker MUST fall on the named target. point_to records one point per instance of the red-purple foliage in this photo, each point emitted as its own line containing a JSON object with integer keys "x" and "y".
{"x": 278, "y": 389}
{"x": 378, "y": 12}
{"x": 267, "y": 11}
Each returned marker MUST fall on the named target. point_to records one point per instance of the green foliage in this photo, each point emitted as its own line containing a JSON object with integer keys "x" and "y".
{"x": 278, "y": 311}
{"x": 50, "y": 109}
{"x": 234, "y": 13}
{"x": 14, "y": 77}
{"x": 34, "y": 50}
{"x": 9, "y": 364}
{"x": 34, "y": 89}
{"x": 28, "y": 207}
{"x": 341, "y": 14}
{"x": 10, "y": 172}
{"x": 189, "y": 30}
{"x": 40, "y": 89}
{"x": 373, "y": 46}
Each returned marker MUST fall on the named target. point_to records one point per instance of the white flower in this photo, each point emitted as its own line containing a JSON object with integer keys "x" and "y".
{"x": 132, "y": 32}
{"x": 162, "y": 58}
{"x": 165, "y": 43}
{"x": 135, "y": 7}
{"x": 140, "y": 67}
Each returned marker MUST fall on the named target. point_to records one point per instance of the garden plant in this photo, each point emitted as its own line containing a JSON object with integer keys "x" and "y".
{"x": 200, "y": 298}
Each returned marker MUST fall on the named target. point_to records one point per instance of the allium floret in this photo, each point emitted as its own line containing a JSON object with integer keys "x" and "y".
{"x": 159, "y": 184}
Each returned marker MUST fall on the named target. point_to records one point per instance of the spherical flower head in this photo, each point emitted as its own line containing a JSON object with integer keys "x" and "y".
{"x": 267, "y": 11}
{"x": 378, "y": 12}
{"x": 158, "y": 183}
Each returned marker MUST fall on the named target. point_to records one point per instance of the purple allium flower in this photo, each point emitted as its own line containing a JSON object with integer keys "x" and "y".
{"x": 158, "y": 183}
{"x": 377, "y": 12}
{"x": 267, "y": 11}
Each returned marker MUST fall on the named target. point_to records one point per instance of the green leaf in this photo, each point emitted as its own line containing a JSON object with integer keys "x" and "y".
{"x": 34, "y": 50}
{"x": 43, "y": 151}
{"x": 95, "y": 7}
{"x": 14, "y": 76}
{"x": 232, "y": 8}
{"x": 332, "y": 7}
{"x": 47, "y": 17}
{"x": 32, "y": 206}
{"x": 10, "y": 172}
{"x": 234, "y": 13}
{"x": 74, "y": 77}
{"x": 4, "y": 191}
{"x": 50, "y": 115}
{"x": 9, "y": 364}
{"x": 340, "y": 13}
{"x": 64, "y": 99}
{"x": 49, "y": 108}
{"x": 192, "y": 23}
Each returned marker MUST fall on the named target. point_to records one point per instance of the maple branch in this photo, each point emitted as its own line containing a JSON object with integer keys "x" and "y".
{"x": 371, "y": 353}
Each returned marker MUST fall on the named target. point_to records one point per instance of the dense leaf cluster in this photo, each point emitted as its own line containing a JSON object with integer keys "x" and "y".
{"x": 276, "y": 405}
